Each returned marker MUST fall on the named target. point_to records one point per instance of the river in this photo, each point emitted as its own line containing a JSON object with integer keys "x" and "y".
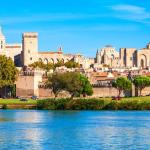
{"x": 74, "y": 130}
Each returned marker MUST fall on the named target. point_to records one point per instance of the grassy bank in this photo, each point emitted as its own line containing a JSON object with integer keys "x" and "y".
{"x": 17, "y": 104}
{"x": 134, "y": 103}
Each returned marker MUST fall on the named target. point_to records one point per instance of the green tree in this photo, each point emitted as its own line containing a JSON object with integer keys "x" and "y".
{"x": 141, "y": 82}
{"x": 37, "y": 64}
{"x": 59, "y": 64}
{"x": 8, "y": 71}
{"x": 41, "y": 65}
{"x": 73, "y": 82}
{"x": 56, "y": 83}
{"x": 122, "y": 84}
{"x": 86, "y": 88}
{"x": 76, "y": 84}
{"x": 72, "y": 64}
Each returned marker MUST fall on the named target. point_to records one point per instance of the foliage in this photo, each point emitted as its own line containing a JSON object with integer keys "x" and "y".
{"x": 41, "y": 65}
{"x": 141, "y": 82}
{"x": 48, "y": 66}
{"x": 72, "y": 64}
{"x": 59, "y": 64}
{"x": 56, "y": 83}
{"x": 52, "y": 104}
{"x": 73, "y": 82}
{"x": 8, "y": 71}
{"x": 95, "y": 104}
{"x": 86, "y": 88}
{"x": 122, "y": 84}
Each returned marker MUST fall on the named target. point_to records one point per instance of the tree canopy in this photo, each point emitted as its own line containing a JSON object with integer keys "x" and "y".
{"x": 8, "y": 71}
{"x": 122, "y": 84}
{"x": 141, "y": 82}
{"x": 56, "y": 83}
{"x": 48, "y": 66}
{"x": 73, "y": 82}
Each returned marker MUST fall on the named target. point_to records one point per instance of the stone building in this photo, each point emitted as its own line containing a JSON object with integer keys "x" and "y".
{"x": 131, "y": 57}
{"x": 27, "y": 52}
{"x": 108, "y": 56}
{"x": 126, "y": 57}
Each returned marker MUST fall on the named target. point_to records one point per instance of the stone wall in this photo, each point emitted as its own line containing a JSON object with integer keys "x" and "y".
{"x": 25, "y": 86}
{"x": 104, "y": 92}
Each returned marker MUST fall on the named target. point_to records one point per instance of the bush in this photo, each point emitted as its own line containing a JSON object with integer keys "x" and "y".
{"x": 76, "y": 104}
{"x": 85, "y": 104}
{"x": 52, "y": 104}
{"x": 92, "y": 104}
{"x": 4, "y": 106}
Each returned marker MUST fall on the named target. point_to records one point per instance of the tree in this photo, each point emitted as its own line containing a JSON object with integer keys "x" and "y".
{"x": 86, "y": 86}
{"x": 72, "y": 64}
{"x": 122, "y": 84}
{"x": 77, "y": 84}
{"x": 41, "y": 65}
{"x": 141, "y": 82}
{"x": 59, "y": 64}
{"x": 73, "y": 82}
{"x": 56, "y": 83}
{"x": 8, "y": 71}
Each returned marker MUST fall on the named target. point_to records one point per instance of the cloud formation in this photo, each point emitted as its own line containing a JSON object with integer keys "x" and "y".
{"x": 130, "y": 12}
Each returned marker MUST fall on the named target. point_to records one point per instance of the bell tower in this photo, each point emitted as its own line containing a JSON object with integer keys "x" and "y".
{"x": 30, "y": 48}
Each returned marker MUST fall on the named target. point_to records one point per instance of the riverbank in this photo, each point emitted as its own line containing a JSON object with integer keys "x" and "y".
{"x": 17, "y": 104}
{"x": 132, "y": 103}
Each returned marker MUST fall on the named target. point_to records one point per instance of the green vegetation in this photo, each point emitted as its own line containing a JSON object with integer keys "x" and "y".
{"x": 8, "y": 71}
{"x": 136, "y": 103}
{"x": 122, "y": 85}
{"x": 72, "y": 64}
{"x": 132, "y": 103}
{"x": 16, "y": 101}
{"x": 48, "y": 66}
{"x": 73, "y": 82}
{"x": 141, "y": 82}
{"x": 17, "y": 104}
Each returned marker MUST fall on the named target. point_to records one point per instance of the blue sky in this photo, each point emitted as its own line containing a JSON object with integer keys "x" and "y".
{"x": 79, "y": 26}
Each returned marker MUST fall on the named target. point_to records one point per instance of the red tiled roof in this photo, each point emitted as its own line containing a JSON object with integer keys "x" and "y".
{"x": 50, "y": 52}
{"x": 13, "y": 46}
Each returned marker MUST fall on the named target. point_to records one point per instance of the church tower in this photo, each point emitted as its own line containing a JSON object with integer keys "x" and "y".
{"x": 98, "y": 57}
{"x": 2, "y": 43}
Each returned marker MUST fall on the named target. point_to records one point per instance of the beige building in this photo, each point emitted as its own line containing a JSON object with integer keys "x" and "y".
{"x": 125, "y": 58}
{"x": 27, "y": 52}
{"x": 108, "y": 56}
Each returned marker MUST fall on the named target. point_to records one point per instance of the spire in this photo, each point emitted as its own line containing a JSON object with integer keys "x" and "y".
{"x": 60, "y": 49}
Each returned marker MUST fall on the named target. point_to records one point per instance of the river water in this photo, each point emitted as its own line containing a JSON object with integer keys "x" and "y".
{"x": 74, "y": 130}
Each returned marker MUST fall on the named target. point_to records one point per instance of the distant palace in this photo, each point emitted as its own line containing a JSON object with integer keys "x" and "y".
{"x": 27, "y": 52}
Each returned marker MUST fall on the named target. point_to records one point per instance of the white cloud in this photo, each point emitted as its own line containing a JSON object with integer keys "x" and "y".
{"x": 129, "y": 8}
{"x": 130, "y": 12}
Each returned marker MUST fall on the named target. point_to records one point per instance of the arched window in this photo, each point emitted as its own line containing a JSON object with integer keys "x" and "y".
{"x": 40, "y": 59}
{"x": 46, "y": 60}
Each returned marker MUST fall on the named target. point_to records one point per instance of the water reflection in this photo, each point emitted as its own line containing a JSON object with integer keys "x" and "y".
{"x": 74, "y": 130}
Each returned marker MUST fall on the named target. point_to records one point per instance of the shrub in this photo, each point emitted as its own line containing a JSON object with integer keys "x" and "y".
{"x": 4, "y": 106}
